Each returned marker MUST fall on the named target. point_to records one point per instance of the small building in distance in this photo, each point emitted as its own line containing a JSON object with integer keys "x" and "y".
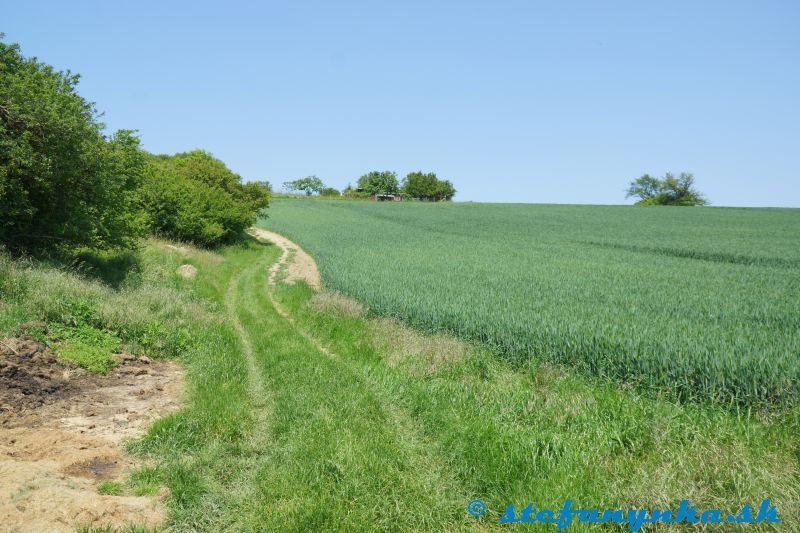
{"x": 387, "y": 197}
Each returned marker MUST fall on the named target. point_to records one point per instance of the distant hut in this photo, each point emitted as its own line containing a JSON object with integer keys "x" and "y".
{"x": 386, "y": 197}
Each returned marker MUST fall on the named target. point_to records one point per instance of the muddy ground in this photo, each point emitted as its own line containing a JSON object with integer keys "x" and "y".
{"x": 61, "y": 434}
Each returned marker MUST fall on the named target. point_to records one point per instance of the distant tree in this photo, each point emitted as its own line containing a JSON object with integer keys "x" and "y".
{"x": 379, "y": 182}
{"x": 329, "y": 192}
{"x": 421, "y": 185}
{"x": 644, "y": 187}
{"x": 427, "y": 186}
{"x": 669, "y": 190}
{"x": 309, "y": 185}
{"x": 445, "y": 190}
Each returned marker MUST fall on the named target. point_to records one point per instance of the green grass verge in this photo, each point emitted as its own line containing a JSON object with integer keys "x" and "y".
{"x": 396, "y": 430}
{"x": 533, "y": 432}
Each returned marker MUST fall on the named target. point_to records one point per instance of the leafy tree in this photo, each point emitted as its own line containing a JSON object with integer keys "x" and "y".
{"x": 308, "y": 185}
{"x": 427, "y": 186}
{"x": 421, "y": 185}
{"x": 379, "y": 182}
{"x": 193, "y": 196}
{"x": 669, "y": 190}
{"x": 445, "y": 190}
{"x": 62, "y": 182}
{"x": 330, "y": 192}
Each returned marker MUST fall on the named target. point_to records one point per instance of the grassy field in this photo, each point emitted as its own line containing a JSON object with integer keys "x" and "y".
{"x": 332, "y": 420}
{"x": 693, "y": 304}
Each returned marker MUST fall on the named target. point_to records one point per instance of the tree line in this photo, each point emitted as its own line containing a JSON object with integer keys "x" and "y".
{"x": 64, "y": 184}
{"x": 418, "y": 185}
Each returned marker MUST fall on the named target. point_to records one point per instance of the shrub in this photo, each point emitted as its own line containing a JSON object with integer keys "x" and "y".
{"x": 194, "y": 197}
{"x": 62, "y": 182}
{"x": 330, "y": 192}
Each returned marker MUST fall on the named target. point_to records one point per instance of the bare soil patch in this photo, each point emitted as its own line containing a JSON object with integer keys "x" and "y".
{"x": 298, "y": 265}
{"x": 60, "y": 435}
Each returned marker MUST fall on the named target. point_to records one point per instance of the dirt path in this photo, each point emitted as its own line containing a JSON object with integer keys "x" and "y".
{"x": 294, "y": 261}
{"x": 61, "y": 432}
{"x": 297, "y": 265}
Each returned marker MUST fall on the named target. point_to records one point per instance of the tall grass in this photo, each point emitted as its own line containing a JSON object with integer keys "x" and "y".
{"x": 699, "y": 304}
{"x": 149, "y": 312}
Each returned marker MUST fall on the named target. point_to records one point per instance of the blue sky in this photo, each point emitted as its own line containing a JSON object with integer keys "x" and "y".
{"x": 556, "y": 102}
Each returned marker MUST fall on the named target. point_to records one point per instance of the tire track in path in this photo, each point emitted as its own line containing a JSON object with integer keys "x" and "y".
{"x": 422, "y": 452}
{"x": 261, "y": 401}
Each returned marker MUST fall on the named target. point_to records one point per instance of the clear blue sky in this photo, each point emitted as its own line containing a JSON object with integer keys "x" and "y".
{"x": 556, "y": 101}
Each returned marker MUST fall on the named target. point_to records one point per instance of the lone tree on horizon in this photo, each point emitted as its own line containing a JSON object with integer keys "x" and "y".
{"x": 309, "y": 185}
{"x": 668, "y": 190}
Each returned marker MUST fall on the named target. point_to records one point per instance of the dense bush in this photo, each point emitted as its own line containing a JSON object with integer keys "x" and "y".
{"x": 62, "y": 182}
{"x": 65, "y": 186}
{"x": 194, "y": 197}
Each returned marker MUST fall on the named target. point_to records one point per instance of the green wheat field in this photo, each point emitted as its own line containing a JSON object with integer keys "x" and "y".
{"x": 697, "y": 304}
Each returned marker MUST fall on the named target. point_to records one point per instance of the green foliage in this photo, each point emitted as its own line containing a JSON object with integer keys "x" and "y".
{"x": 64, "y": 186}
{"x": 62, "y": 183}
{"x": 308, "y": 185}
{"x": 84, "y": 345}
{"x": 194, "y": 197}
{"x": 258, "y": 193}
{"x": 678, "y": 302}
{"x": 379, "y": 182}
{"x": 75, "y": 338}
{"x": 330, "y": 192}
{"x": 427, "y": 187}
{"x": 666, "y": 191}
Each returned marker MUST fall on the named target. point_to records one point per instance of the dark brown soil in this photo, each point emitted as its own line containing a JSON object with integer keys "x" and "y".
{"x": 60, "y": 434}
{"x": 95, "y": 468}
{"x": 31, "y": 375}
